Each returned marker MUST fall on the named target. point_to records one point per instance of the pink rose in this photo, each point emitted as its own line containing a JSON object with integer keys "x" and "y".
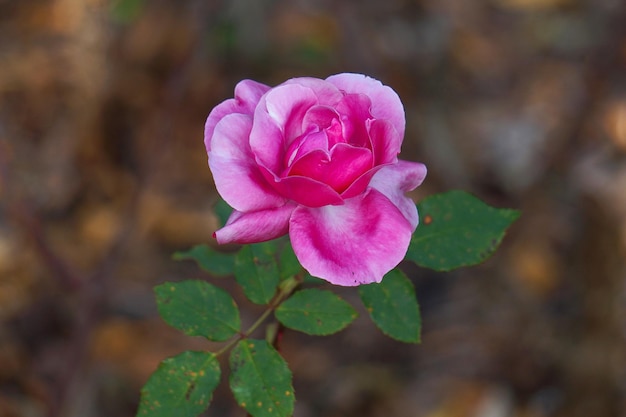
{"x": 317, "y": 159}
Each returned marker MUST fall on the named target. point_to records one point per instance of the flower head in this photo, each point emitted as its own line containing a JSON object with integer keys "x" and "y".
{"x": 317, "y": 159}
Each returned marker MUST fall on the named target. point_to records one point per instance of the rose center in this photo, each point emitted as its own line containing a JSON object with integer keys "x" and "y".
{"x": 326, "y": 154}
{"x": 315, "y": 138}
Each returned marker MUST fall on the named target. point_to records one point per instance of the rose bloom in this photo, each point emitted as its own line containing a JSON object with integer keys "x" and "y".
{"x": 317, "y": 159}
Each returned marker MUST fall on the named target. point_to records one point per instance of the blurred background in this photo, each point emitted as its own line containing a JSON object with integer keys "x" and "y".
{"x": 103, "y": 175}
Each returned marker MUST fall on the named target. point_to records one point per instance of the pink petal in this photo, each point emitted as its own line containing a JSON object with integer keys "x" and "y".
{"x": 360, "y": 184}
{"x": 255, "y": 226}
{"x": 386, "y": 142}
{"x": 355, "y": 114}
{"x": 247, "y": 95}
{"x": 319, "y": 116}
{"x": 302, "y": 190}
{"x": 287, "y": 104}
{"x": 267, "y": 141}
{"x": 237, "y": 176}
{"x": 356, "y": 243}
{"x": 395, "y": 180}
{"x": 278, "y": 121}
{"x": 327, "y": 94}
{"x": 385, "y": 102}
{"x": 316, "y": 141}
{"x": 339, "y": 169}
{"x": 327, "y": 120}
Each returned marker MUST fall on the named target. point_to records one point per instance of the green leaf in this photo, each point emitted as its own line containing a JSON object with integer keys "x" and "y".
{"x": 222, "y": 211}
{"x": 260, "y": 379}
{"x": 288, "y": 263}
{"x": 198, "y": 308}
{"x": 393, "y": 307}
{"x": 310, "y": 279}
{"x": 315, "y": 312}
{"x": 256, "y": 270}
{"x": 182, "y": 386}
{"x": 210, "y": 260}
{"x": 457, "y": 229}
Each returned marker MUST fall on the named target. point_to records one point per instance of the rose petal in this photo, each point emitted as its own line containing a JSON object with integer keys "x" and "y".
{"x": 237, "y": 176}
{"x": 287, "y": 105}
{"x": 339, "y": 169}
{"x": 255, "y": 226}
{"x": 302, "y": 190}
{"x": 315, "y": 141}
{"x": 356, "y": 243}
{"x": 327, "y": 94}
{"x": 385, "y": 102}
{"x": 395, "y": 180}
{"x": 267, "y": 141}
{"x": 386, "y": 142}
{"x": 360, "y": 184}
{"x": 278, "y": 121}
{"x": 355, "y": 115}
{"x": 319, "y": 116}
{"x": 247, "y": 95}
{"x": 327, "y": 120}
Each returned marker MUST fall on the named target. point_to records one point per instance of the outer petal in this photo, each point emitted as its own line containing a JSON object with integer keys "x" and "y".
{"x": 247, "y": 95}
{"x": 255, "y": 226}
{"x": 356, "y": 243}
{"x": 237, "y": 176}
{"x": 327, "y": 94}
{"x": 395, "y": 180}
{"x": 385, "y": 102}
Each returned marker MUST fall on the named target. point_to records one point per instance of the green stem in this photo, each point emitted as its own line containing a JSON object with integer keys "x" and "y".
{"x": 285, "y": 290}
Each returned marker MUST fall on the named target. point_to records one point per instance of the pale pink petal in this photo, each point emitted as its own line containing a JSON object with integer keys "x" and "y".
{"x": 249, "y": 92}
{"x": 396, "y": 179}
{"x": 237, "y": 176}
{"x": 327, "y": 94}
{"x": 247, "y": 95}
{"x": 339, "y": 169}
{"x": 287, "y": 104}
{"x": 255, "y": 226}
{"x": 278, "y": 121}
{"x": 356, "y": 243}
{"x": 385, "y": 102}
{"x": 302, "y": 190}
{"x": 267, "y": 141}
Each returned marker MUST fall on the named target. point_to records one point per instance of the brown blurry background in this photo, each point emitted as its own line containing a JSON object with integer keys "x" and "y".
{"x": 103, "y": 175}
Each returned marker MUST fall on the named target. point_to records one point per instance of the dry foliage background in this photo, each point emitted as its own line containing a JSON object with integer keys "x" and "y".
{"x": 103, "y": 175}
